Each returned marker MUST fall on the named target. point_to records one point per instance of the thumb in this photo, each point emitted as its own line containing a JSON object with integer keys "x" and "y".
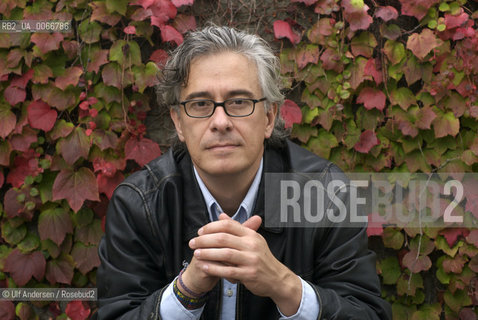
{"x": 253, "y": 223}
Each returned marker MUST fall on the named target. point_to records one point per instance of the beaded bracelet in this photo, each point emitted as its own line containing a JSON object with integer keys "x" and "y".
{"x": 188, "y": 302}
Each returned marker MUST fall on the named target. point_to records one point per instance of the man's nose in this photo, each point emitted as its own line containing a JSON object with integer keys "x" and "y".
{"x": 220, "y": 120}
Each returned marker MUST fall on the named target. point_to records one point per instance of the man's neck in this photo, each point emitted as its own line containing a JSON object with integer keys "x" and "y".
{"x": 229, "y": 190}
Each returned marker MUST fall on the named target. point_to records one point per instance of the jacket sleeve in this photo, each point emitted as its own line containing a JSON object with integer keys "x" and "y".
{"x": 131, "y": 277}
{"x": 345, "y": 277}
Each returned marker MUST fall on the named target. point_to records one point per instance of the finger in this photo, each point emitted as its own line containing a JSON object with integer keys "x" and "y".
{"x": 231, "y": 273}
{"x": 226, "y": 256}
{"x": 217, "y": 240}
{"x": 225, "y": 225}
{"x": 253, "y": 223}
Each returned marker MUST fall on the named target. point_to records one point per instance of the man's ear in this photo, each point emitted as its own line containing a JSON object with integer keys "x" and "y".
{"x": 176, "y": 117}
{"x": 271, "y": 115}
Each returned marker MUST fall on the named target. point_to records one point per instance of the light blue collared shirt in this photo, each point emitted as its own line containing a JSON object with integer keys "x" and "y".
{"x": 172, "y": 309}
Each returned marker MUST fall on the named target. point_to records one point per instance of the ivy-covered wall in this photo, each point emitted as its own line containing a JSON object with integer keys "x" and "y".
{"x": 376, "y": 86}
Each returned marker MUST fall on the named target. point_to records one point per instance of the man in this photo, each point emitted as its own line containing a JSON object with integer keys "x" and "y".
{"x": 185, "y": 237}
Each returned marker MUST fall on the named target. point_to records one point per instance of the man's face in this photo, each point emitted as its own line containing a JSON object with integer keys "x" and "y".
{"x": 223, "y": 145}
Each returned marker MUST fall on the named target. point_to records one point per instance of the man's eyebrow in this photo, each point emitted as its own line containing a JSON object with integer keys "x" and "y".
{"x": 230, "y": 94}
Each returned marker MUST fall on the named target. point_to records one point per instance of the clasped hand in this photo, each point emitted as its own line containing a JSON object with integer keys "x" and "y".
{"x": 227, "y": 249}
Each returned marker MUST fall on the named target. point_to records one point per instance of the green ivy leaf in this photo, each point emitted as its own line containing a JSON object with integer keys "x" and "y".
{"x": 13, "y": 234}
{"x": 322, "y": 144}
{"x": 393, "y": 238}
{"x": 54, "y": 224}
{"x": 60, "y": 270}
{"x": 401, "y": 311}
{"x": 442, "y": 244}
{"x": 395, "y": 51}
{"x": 90, "y": 234}
{"x": 445, "y": 124}
{"x": 402, "y": 97}
{"x": 89, "y": 31}
{"x": 145, "y": 76}
{"x": 405, "y": 286}
{"x": 126, "y": 52}
{"x": 457, "y": 300}
{"x": 86, "y": 257}
{"x": 303, "y": 132}
{"x": 119, "y": 6}
{"x": 390, "y": 270}
{"x": 29, "y": 243}
{"x": 428, "y": 312}
{"x": 363, "y": 44}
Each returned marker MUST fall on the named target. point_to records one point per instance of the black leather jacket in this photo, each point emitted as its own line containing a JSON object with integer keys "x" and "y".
{"x": 156, "y": 211}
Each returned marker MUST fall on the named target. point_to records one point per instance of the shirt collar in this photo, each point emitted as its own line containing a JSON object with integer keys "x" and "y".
{"x": 247, "y": 204}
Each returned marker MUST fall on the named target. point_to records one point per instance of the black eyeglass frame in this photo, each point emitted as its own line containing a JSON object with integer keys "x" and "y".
{"x": 223, "y": 105}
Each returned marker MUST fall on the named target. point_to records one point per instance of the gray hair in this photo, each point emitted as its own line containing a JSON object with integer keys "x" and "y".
{"x": 212, "y": 40}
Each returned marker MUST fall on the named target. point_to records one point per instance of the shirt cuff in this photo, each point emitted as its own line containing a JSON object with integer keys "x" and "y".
{"x": 309, "y": 304}
{"x": 172, "y": 309}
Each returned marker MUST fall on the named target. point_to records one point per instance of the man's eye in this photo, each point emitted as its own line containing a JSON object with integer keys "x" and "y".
{"x": 200, "y": 104}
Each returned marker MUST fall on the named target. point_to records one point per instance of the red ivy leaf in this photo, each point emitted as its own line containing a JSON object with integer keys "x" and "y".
{"x": 15, "y": 208}
{"x": 14, "y": 95}
{"x": 105, "y": 139}
{"x": 368, "y": 139}
{"x": 306, "y": 55}
{"x": 414, "y": 264}
{"x": 76, "y": 187}
{"x": 23, "y": 166}
{"x": 22, "y": 267}
{"x": 168, "y": 33}
{"x": 331, "y": 60}
{"x": 282, "y": 29}
{"x": 291, "y": 113}
{"x": 421, "y": 44}
{"x": 98, "y": 59}
{"x": 417, "y": 8}
{"x": 107, "y": 184}
{"x": 144, "y": 3}
{"x": 41, "y": 74}
{"x": 452, "y": 234}
{"x": 54, "y": 224}
{"x": 159, "y": 57}
{"x": 453, "y": 21}
{"x": 101, "y": 14}
{"x": 8, "y": 121}
{"x": 22, "y": 142}
{"x": 446, "y": 124}
{"x": 372, "y": 98}
{"x": 47, "y": 42}
{"x": 41, "y": 116}
{"x": 179, "y": 3}
{"x": 21, "y": 82}
{"x": 356, "y": 15}
{"x": 371, "y": 70}
{"x": 387, "y": 13}
{"x": 70, "y": 77}
{"x": 162, "y": 10}
{"x": 142, "y": 151}
{"x": 2, "y": 179}
{"x": 76, "y": 145}
{"x": 7, "y": 310}
{"x": 130, "y": 30}
{"x": 472, "y": 237}
{"x": 86, "y": 258}
{"x": 425, "y": 117}
{"x": 76, "y": 310}
{"x": 60, "y": 270}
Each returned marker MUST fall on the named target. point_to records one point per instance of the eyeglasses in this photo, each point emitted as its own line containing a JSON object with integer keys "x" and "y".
{"x": 204, "y": 108}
